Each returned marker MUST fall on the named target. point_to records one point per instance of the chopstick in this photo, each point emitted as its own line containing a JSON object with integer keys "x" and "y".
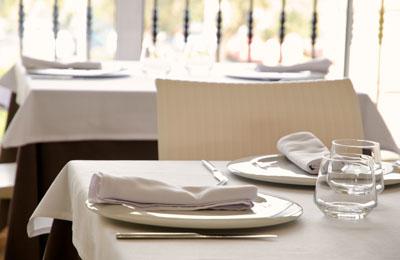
{"x": 187, "y": 235}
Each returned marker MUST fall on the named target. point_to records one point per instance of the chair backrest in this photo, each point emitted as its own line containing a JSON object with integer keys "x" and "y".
{"x": 226, "y": 121}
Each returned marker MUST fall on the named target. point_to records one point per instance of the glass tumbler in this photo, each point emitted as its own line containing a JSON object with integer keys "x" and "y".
{"x": 345, "y": 187}
{"x": 154, "y": 60}
{"x": 371, "y": 148}
{"x": 198, "y": 56}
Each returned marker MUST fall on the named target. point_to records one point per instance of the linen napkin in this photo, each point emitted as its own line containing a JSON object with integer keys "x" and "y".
{"x": 156, "y": 195}
{"x": 320, "y": 65}
{"x": 33, "y": 63}
{"x": 304, "y": 149}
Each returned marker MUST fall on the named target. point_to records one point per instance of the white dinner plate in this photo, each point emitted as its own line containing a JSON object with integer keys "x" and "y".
{"x": 252, "y": 74}
{"x": 78, "y": 73}
{"x": 267, "y": 211}
{"x": 278, "y": 169}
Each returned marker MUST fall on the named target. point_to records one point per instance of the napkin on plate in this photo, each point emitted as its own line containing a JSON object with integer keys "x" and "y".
{"x": 32, "y": 63}
{"x": 320, "y": 65}
{"x": 304, "y": 149}
{"x": 156, "y": 195}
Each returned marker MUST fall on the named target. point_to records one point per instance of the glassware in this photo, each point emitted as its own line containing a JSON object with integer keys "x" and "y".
{"x": 370, "y": 148}
{"x": 198, "y": 56}
{"x": 345, "y": 187}
{"x": 154, "y": 60}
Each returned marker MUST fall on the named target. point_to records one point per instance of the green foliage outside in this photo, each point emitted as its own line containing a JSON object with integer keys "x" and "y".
{"x": 3, "y": 120}
{"x": 3, "y": 113}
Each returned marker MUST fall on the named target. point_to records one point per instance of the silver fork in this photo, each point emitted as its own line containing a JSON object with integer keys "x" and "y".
{"x": 222, "y": 179}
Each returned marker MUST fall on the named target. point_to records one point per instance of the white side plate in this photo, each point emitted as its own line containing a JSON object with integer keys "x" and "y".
{"x": 267, "y": 211}
{"x": 278, "y": 169}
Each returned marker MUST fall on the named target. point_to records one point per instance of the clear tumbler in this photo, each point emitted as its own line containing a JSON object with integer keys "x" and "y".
{"x": 345, "y": 187}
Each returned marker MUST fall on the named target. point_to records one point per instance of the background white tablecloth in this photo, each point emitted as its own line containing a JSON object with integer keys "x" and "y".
{"x": 66, "y": 110}
{"x": 312, "y": 236}
{"x": 118, "y": 109}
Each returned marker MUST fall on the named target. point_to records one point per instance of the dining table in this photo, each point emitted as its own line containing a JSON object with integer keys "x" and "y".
{"x": 305, "y": 233}
{"x": 66, "y": 118}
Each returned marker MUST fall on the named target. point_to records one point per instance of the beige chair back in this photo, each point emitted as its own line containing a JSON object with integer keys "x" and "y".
{"x": 227, "y": 121}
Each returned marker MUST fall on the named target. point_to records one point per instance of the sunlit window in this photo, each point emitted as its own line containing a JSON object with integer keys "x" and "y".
{"x": 71, "y": 42}
{"x": 9, "y": 44}
{"x": 265, "y": 47}
{"x": 38, "y": 34}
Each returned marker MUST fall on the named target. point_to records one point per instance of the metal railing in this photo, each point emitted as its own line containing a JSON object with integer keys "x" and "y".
{"x": 250, "y": 21}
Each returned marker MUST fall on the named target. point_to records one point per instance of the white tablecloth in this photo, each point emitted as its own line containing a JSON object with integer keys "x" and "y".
{"x": 118, "y": 109}
{"x": 312, "y": 236}
{"x": 85, "y": 109}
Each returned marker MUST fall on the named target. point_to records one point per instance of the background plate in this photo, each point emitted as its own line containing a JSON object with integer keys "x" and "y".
{"x": 74, "y": 73}
{"x": 251, "y": 74}
{"x": 267, "y": 211}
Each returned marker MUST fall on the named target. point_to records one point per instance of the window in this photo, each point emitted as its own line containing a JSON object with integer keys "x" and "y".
{"x": 38, "y": 32}
{"x": 266, "y": 15}
{"x": 129, "y": 18}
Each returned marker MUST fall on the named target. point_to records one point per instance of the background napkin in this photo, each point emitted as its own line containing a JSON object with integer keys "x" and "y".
{"x": 156, "y": 195}
{"x": 32, "y": 63}
{"x": 304, "y": 149}
{"x": 320, "y": 65}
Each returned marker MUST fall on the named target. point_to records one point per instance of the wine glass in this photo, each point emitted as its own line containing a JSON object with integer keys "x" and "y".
{"x": 365, "y": 147}
{"x": 345, "y": 187}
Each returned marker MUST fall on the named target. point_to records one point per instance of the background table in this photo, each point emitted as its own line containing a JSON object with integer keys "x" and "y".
{"x": 45, "y": 143}
{"x": 311, "y": 236}
{"x": 124, "y": 108}
{"x": 94, "y": 119}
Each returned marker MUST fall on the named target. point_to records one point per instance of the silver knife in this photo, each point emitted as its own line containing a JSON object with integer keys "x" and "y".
{"x": 217, "y": 173}
{"x": 166, "y": 235}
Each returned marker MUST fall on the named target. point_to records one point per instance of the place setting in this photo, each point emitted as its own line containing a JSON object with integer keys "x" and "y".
{"x": 296, "y": 168}
{"x": 40, "y": 68}
{"x": 152, "y": 202}
{"x": 347, "y": 178}
{"x": 313, "y": 69}
{"x": 221, "y": 206}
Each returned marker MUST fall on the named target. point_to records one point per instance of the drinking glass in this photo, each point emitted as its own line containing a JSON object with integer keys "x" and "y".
{"x": 345, "y": 187}
{"x": 198, "y": 56}
{"x": 354, "y": 146}
{"x": 154, "y": 60}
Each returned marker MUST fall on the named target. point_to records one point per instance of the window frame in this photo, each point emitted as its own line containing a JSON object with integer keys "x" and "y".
{"x": 129, "y": 21}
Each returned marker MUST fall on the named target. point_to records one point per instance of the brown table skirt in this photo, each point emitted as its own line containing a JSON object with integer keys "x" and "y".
{"x": 7, "y": 156}
{"x": 38, "y": 165}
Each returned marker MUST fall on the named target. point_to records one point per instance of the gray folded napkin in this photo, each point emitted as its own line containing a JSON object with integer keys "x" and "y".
{"x": 155, "y": 195}
{"x": 304, "y": 149}
{"x": 32, "y": 63}
{"x": 320, "y": 65}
